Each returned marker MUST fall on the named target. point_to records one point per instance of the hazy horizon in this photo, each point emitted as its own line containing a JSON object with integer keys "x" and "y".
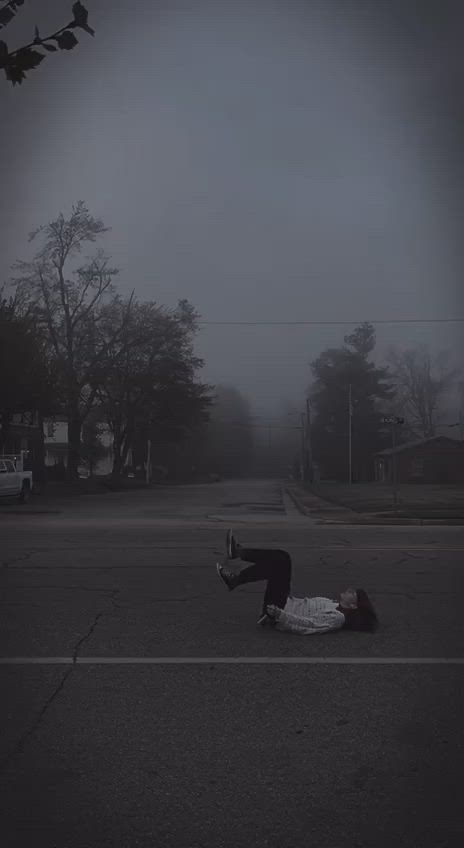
{"x": 268, "y": 161}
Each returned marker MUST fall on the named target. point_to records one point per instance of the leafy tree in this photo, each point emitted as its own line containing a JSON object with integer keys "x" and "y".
{"x": 27, "y": 380}
{"x": 362, "y": 340}
{"x": 334, "y": 371}
{"x": 421, "y": 382}
{"x": 69, "y": 305}
{"x": 17, "y": 62}
{"x": 92, "y": 448}
{"x": 146, "y": 382}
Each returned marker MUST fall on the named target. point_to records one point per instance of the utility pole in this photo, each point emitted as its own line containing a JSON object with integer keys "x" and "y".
{"x": 394, "y": 422}
{"x": 350, "y": 416}
{"x": 148, "y": 470}
{"x": 395, "y": 465}
{"x": 303, "y": 445}
{"x": 308, "y": 442}
{"x": 269, "y": 457}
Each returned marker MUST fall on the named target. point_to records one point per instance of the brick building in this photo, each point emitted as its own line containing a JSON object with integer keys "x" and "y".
{"x": 435, "y": 460}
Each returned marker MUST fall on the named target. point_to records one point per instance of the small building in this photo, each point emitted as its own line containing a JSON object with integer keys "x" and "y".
{"x": 56, "y": 442}
{"x": 25, "y": 436}
{"x": 56, "y": 447}
{"x": 438, "y": 459}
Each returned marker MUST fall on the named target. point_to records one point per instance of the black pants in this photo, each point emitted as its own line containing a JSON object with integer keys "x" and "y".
{"x": 272, "y": 565}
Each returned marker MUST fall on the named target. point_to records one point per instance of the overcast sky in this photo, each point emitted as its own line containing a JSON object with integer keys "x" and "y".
{"x": 268, "y": 161}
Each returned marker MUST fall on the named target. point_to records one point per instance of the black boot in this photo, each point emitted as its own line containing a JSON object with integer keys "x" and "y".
{"x": 230, "y": 579}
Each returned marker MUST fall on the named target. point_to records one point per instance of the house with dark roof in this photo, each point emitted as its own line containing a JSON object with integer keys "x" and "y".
{"x": 437, "y": 459}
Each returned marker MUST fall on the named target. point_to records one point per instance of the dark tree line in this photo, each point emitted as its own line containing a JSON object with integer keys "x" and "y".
{"x": 73, "y": 344}
{"x": 335, "y": 370}
{"x": 413, "y": 386}
{"x": 28, "y": 380}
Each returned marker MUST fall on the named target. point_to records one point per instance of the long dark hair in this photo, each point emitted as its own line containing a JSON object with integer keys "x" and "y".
{"x": 364, "y": 617}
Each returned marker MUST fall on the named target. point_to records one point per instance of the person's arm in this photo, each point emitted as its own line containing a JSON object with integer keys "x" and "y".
{"x": 321, "y": 622}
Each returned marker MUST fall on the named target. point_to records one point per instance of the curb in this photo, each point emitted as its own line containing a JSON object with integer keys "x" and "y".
{"x": 357, "y": 519}
{"x": 378, "y": 522}
{"x": 304, "y": 510}
{"x": 399, "y": 522}
{"x": 296, "y": 502}
{"x": 13, "y": 511}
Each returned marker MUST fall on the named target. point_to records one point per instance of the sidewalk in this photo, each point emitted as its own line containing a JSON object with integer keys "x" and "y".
{"x": 329, "y": 512}
{"x": 50, "y": 498}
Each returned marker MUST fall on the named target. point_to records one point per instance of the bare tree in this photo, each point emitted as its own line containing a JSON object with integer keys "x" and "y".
{"x": 421, "y": 382}
{"x": 69, "y": 310}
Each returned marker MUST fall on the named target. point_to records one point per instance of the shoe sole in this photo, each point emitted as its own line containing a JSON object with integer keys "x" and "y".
{"x": 224, "y": 583}
{"x": 265, "y": 619}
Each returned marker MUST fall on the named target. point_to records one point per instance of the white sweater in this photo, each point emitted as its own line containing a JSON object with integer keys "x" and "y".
{"x": 309, "y": 615}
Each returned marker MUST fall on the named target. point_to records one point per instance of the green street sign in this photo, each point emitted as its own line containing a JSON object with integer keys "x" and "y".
{"x": 392, "y": 419}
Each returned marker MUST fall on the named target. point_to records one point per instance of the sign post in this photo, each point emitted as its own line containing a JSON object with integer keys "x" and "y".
{"x": 393, "y": 421}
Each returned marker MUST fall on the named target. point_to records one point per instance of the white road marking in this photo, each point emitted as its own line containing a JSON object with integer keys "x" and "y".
{"x": 232, "y": 661}
{"x": 432, "y": 548}
{"x": 341, "y": 546}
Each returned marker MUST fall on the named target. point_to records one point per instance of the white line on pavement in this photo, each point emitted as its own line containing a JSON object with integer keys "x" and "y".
{"x": 232, "y": 661}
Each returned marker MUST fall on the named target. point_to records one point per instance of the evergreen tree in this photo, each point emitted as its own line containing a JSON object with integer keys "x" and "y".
{"x": 335, "y": 370}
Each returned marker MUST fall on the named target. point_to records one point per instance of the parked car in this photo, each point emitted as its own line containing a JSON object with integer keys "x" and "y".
{"x": 14, "y": 482}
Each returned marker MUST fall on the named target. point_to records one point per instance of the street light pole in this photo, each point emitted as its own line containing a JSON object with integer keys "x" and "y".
{"x": 394, "y": 422}
{"x": 350, "y": 415}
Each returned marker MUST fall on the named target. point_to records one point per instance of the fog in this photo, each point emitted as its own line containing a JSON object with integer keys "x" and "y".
{"x": 268, "y": 161}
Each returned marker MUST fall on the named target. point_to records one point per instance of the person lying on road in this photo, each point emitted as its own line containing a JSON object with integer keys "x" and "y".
{"x": 353, "y": 609}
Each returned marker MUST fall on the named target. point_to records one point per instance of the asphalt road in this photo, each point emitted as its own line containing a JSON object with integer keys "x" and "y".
{"x": 142, "y": 706}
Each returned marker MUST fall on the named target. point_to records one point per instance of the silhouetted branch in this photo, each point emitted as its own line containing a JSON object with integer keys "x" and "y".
{"x": 15, "y": 63}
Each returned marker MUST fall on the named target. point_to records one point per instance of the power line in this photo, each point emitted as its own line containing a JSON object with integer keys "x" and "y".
{"x": 333, "y": 323}
{"x": 259, "y": 426}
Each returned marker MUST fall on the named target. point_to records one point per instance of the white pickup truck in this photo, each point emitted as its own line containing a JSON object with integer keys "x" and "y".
{"x": 14, "y": 482}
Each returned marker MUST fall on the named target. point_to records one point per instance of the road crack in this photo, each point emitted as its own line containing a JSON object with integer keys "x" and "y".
{"x": 20, "y": 745}
{"x": 112, "y": 600}
{"x": 87, "y": 635}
